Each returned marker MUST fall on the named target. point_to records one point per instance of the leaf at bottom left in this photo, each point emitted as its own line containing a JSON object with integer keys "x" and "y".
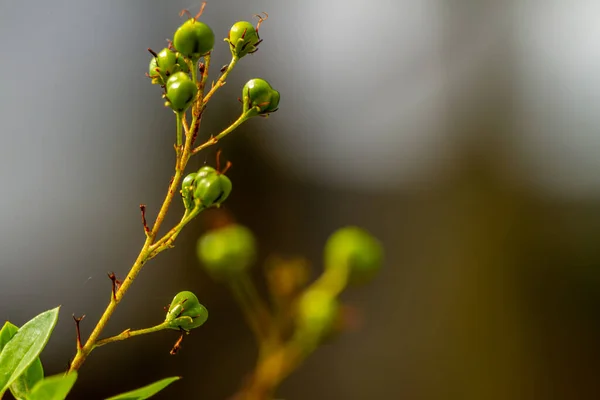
{"x": 53, "y": 387}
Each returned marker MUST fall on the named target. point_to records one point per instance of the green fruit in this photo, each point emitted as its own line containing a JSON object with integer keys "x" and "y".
{"x": 166, "y": 61}
{"x": 206, "y": 171}
{"x": 260, "y": 96}
{"x": 317, "y": 313}
{"x": 182, "y": 64}
{"x": 187, "y": 190}
{"x": 181, "y": 91}
{"x": 154, "y": 73}
{"x": 179, "y": 76}
{"x": 243, "y": 39}
{"x": 186, "y": 312}
{"x": 194, "y": 39}
{"x": 226, "y": 252}
{"x": 212, "y": 189}
{"x": 354, "y": 251}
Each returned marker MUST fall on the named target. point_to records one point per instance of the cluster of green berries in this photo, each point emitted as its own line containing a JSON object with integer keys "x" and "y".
{"x": 170, "y": 68}
{"x": 205, "y": 188}
{"x": 352, "y": 256}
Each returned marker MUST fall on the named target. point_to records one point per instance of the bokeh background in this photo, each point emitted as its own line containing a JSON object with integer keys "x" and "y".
{"x": 463, "y": 133}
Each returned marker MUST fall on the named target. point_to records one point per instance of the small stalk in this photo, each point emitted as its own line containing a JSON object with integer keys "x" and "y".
{"x": 129, "y": 334}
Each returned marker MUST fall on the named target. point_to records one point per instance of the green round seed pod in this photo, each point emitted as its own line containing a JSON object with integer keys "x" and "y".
{"x": 355, "y": 251}
{"x": 186, "y": 312}
{"x": 212, "y": 189}
{"x": 166, "y": 61}
{"x": 154, "y": 73}
{"x": 275, "y": 96}
{"x": 243, "y": 39}
{"x": 258, "y": 93}
{"x": 317, "y": 313}
{"x": 227, "y": 252}
{"x": 187, "y": 190}
{"x": 181, "y": 91}
{"x": 206, "y": 171}
{"x": 194, "y": 39}
{"x": 183, "y": 66}
{"x": 178, "y": 76}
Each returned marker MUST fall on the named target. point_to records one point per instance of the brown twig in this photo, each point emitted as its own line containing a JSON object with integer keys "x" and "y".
{"x": 177, "y": 345}
{"x": 115, "y": 284}
{"x": 144, "y": 222}
{"x": 77, "y": 321}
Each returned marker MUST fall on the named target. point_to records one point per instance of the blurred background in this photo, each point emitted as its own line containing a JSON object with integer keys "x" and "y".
{"x": 464, "y": 134}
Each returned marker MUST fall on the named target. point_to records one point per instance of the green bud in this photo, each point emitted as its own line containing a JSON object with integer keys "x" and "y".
{"x": 259, "y": 95}
{"x": 187, "y": 190}
{"x": 226, "y": 252}
{"x": 317, "y": 313}
{"x": 194, "y": 39}
{"x": 181, "y": 91}
{"x": 157, "y": 77}
{"x": 211, "y": 188}
{"x": 243, "y": 39}
{"x": 166, "y": 61}
{"x": 354, "y": 251}
{"x": 186, "y": 312}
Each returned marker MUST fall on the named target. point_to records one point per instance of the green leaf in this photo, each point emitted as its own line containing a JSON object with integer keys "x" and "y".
{"x": 6, "y": 333}
{"x": 31, "y": 376}
{"x": 55, "y": 387}
{"x": 146, "y": 391}
{"x": 24, "y": 383}
{"x": 25, "y": 346}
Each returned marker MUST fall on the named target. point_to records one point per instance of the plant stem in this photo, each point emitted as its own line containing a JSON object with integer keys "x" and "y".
{"x": 258, "y": 305}
{"x": 145, "y": 252}
{"x": 244, "y": 301}
{"x": 272, "y": 370}
{"x": 129, "y": 333}
{"x": 151, "y": 248}
{"x": 221, "y": 81}
{"x": 166, "y": 241}
{"x": 179, "y": 130}
{"x": 212, "y": 141}
{"x": 85, "y": 351}
{"x": 204, "y": 77}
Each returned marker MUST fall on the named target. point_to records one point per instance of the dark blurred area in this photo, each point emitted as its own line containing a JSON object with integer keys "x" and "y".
{"x": 463, "y": 134}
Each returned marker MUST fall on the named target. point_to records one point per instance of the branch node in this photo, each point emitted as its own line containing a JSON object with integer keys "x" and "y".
{"x": 116, "y": 284}
{"x": 144, "y": 222}
{"x": 77, "y": 321}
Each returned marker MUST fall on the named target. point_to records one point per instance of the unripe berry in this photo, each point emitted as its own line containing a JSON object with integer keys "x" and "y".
{"x": 181, "y": 91}
{"x": 187, "y": 190}
{"x": 186, "y": 312}
{"x": 206, "y": 171}
{"x": 227, "y": 252}
{"x": 243, "y": 39}
{"x": 194, "y": 39}
{"x": 354, "y": 251}
{"x": 260, "y": 96}
{"x": 182, "y": 64}
{"x": 154, "y": 73}
{"x": 211, "y": 188}
{"x": 166, "y": 61}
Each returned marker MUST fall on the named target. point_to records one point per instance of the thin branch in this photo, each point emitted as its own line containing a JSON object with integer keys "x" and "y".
{"x": 128, "y": 333}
